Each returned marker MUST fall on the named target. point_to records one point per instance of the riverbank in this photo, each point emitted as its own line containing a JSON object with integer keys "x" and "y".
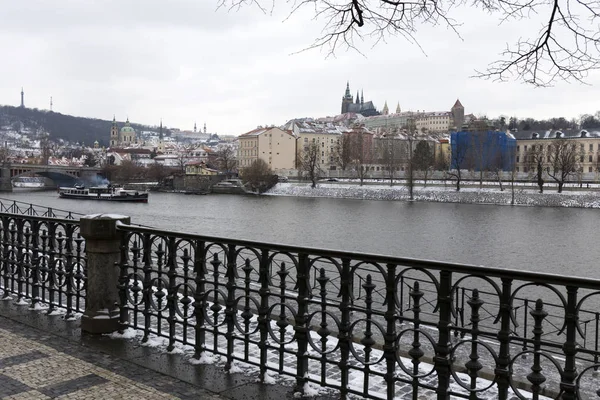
{"x": 467, "y": 195}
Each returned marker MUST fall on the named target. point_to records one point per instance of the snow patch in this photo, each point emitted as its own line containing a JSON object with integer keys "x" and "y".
{"x": 205, "y": 358}
{"x": 128, "y": 333}
{"x": 22, "y": 302}
{"x": 39, "y": 307}
{"x": 235, "y": 369}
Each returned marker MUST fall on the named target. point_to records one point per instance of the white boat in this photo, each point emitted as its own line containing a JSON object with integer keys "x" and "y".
{"x": 106, "y": 193}
{"x": 230, "y": 186}
{"x": 28, "y": 182}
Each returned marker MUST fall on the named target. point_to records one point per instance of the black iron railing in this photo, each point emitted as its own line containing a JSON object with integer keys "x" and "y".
{"x": 365, "y": 325}
{"x": 43, "y": 263}
{"x": 21, "y": 208}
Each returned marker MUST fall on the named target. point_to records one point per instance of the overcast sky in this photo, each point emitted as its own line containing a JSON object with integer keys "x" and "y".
{"x": 186, "y": 61}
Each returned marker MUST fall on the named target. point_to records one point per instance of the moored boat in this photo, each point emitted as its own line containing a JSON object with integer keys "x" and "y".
{"x": 28, "y": 182}
{"x": 230, "y": 186}
{"x": 106, "y": 193}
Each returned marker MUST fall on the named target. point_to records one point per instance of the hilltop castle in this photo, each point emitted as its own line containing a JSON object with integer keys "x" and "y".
{"x": 358, "y": 106}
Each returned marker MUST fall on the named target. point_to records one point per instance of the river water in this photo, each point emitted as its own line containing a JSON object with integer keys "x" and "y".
{"x": 553, "y": 240}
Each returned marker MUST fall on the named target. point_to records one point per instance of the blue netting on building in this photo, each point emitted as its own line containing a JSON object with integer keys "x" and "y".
{"x": 487, "y": 151}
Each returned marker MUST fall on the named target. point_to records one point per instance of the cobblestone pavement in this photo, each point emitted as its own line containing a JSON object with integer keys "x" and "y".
{"x": 46, "y": 357}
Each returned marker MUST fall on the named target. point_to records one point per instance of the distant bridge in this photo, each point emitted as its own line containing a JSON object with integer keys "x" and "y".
{"x": 59, "y": 174}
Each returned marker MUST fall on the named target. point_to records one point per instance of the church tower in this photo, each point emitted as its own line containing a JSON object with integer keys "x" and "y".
{"x": 458, "y": 115}
{"x": 161, "y": 144}
{"x": 347, "y": 99}
{"x": 114, "y": 133}
{"x": 385, "y": 110}
{"x": 398, "y": 110}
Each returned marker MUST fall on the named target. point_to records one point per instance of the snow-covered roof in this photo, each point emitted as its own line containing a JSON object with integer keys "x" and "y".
{"x": 556, "y": 134}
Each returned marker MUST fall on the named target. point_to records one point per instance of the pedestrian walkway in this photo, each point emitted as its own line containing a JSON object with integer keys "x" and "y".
{"x": 46, "y": 357}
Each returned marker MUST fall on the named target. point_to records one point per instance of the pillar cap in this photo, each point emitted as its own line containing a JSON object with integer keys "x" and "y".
{"x": 101, "y": 226}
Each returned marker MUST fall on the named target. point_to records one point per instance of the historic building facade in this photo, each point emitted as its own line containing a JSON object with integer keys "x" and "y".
{"x": 125, "y": 137}
{"x": 275, "y": 146}
{"x": 585, "y": 144}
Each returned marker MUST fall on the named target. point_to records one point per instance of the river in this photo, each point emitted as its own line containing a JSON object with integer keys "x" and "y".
{"x": 553, "y": 240}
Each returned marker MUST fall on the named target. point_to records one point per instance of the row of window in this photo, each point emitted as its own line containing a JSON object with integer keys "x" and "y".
{"x": 525, "y": 169}
{"x": 581, "y": 158}
{"x": 549, "y": 147}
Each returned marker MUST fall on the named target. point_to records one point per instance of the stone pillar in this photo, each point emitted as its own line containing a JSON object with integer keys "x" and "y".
{"x": 102, "y": 244}
{"x": 5, "y": 183}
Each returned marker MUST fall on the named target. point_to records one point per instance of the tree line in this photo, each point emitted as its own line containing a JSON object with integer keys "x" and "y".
{"x": 60, "y": 126}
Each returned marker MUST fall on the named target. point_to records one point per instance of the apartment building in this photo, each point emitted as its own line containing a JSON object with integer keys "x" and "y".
{"x": 325, "y": 134}
{"x": 275, "y": 146}
{"x": 586, "y": 144}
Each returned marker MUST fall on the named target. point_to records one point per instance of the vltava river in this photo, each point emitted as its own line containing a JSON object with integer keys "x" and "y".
{"x": 554, "y": 240}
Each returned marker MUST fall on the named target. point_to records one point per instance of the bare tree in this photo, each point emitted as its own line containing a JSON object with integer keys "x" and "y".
{"x": 479, "y": 152}
{"x": 310, "y": 162}
{"x": 157, "y": 172}
{"x": 361, "y": 153}
{"x": 536, "y": 157}
{"x": 566, "y": 48}
{"x": 185, "y": 155}
{"x": 226, "y": 160}
{"x": 563, "y": 160}
{"x": 459, "y": 158}
{"x": 343, "y": 152}
{"x": 256, "y": 174}
{"x": 423, "y": 159}
{"x": 390, "y": 153}
{"x": 409, "y": 164}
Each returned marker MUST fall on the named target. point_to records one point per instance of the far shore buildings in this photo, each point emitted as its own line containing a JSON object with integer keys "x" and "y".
{"x": 586, "y": 145}
{"x": 420, "y": 120}
{"x": 275, "y": 146}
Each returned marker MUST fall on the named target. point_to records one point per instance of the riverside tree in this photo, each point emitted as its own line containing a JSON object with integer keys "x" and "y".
{"x": 564, "y": 161}
{"x": 343, "y": 152}
{"x": 423, "y": 159}
{"x": 310, "y": 163}
{"x": 566, "y": 47}
{"x": 390, "y": 152}
{"x": 257, "y": 175}
{"x": 536, "y": 159}
{"x": 226, "y": 160}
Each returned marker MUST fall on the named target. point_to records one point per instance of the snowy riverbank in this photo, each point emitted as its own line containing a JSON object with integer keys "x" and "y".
{"x": 471, "y": 195}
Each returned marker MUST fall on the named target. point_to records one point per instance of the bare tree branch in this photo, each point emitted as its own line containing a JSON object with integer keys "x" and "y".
{"x": 566, "y": 49}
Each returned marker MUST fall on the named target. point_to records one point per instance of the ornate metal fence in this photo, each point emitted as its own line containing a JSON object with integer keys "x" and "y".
{"x": 43, "y": 263}
{"x": 365, "y": 325}
{"x": 21, "y": 208}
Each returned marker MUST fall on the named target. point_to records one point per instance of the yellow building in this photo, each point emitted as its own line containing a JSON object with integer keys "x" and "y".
{"x": 199, "y": 168}
{"x": 273, "y": 145}
{"x": 586, "y": 145}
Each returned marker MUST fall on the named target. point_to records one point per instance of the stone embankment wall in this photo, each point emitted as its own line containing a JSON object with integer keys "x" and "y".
{"x": 193, "y": 183}
{"x": 470, "y": 196}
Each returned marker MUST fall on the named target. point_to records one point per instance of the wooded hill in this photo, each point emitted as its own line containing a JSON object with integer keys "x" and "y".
{"x": 60, "y": 126}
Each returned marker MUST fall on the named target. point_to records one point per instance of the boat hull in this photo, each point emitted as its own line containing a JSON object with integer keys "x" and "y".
{"x": 141, "y": 198}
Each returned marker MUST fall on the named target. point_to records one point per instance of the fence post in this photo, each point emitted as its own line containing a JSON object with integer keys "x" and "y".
{"x": 102, "y": 244}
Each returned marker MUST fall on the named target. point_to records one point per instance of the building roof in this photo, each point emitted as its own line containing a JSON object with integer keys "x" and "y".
{"x": 556, "y": 134}
{"x": 260, "y": 130}
{"x": 457, "y": 104}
